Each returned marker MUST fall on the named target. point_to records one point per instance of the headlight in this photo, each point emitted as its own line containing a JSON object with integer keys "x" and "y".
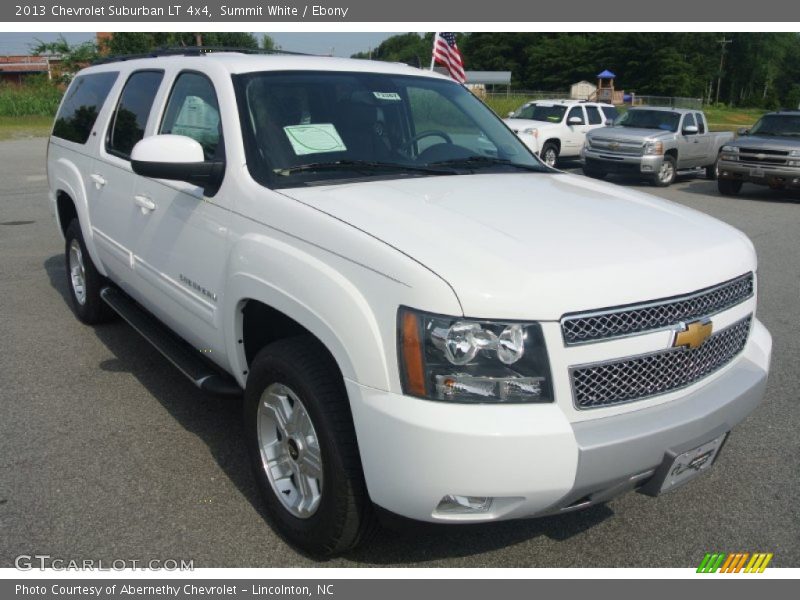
{"x": 794, "y": 153}
{"x": 654, "y": 148}
{"x": 469, "y": 361}
{"x": 588, "y": 142}
{"x": 531, "y": 131}
{"x": 730, "y": 149}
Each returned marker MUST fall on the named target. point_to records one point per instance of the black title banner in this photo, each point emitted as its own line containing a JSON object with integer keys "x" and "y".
{"x": 468, "y": 11}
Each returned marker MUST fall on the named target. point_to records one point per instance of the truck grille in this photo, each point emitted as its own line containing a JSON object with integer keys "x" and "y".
{"x": 615, "y": 146}
{"x": 639, "y": 318}
{"x": 641, "y": 377}
{"x": 763, "y": 157}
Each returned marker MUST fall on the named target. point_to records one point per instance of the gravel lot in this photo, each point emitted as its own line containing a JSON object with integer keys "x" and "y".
{"x": 107, "y": 452}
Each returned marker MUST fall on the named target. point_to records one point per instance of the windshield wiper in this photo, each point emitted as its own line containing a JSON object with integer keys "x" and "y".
{"x": 478, "y": 161}
{"x": 362, "y": 165}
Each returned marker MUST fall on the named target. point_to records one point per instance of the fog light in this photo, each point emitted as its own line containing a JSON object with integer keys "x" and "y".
{"x": 647, "y": 168}
{"x": 454, "y": 504}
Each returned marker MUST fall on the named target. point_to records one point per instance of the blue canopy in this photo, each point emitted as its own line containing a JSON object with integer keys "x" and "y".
{"x": 606, "y": 75}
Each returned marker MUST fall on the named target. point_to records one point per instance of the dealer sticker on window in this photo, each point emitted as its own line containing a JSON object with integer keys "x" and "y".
{"x": 314, "y": 139}
{"x": 390, "y": 96}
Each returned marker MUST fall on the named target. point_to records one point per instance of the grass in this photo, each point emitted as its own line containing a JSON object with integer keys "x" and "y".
{"x": 23, "y": 127}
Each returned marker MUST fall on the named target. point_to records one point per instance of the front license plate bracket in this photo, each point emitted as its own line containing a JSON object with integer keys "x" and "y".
{"x": 683, "y": 464}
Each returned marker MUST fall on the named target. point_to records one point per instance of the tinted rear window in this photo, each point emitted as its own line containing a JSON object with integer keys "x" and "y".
{"x": 82, "y": 104}
{"x": 133, "y": 110}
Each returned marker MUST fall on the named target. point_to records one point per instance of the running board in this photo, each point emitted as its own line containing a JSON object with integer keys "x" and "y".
{"x": 207, "y": 377}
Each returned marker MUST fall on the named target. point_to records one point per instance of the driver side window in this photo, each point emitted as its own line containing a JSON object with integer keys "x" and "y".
{"x": 576, "y": 111}
{"x": 193, "y": 111}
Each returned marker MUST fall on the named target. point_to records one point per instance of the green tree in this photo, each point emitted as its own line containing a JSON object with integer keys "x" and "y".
{"x": 73, "y": 57}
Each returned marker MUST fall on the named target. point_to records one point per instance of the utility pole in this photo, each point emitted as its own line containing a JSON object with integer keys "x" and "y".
{"x": 198, "y": 39}
{"x": 723, "y": 44}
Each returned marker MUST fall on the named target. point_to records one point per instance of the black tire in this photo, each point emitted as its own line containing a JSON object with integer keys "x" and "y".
{"x": 594, "y": 173}
{"x": 549, "y": 153}
{"x": 344, "y": 516}
{"x": 729, "y": 187}
{"x": 666, "y": 174}
{"x": 87, "y": 305}
{"x": 711, "y": 170}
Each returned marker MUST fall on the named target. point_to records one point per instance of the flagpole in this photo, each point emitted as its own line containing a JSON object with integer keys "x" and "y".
{"x": 433, "y": 55}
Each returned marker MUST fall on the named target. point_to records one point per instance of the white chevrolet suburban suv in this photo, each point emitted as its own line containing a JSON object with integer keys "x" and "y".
{"x": 423, "y": 319}
{"x": 554, "y": 129}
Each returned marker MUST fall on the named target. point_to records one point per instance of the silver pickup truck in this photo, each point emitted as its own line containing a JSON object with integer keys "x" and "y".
{"x": 654, "y": 143}
{"x": 768, "y": 154}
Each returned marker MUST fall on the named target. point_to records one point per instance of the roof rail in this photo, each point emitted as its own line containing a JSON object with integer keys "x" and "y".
{"x": 191, "y": 51}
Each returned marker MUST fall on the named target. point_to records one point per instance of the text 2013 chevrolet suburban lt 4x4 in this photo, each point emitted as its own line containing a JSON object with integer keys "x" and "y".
{"x": 421, "y": 315}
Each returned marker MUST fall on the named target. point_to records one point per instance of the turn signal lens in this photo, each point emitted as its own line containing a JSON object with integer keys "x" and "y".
{"x": 412, "y": 354}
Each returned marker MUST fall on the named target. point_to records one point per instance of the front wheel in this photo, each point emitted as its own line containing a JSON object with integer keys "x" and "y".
{"x": 549, "y": 154}
{"x": 666, "y": 173}
{"x": 712, "y": 171}
{"x": 302, "y": 444}
{"x": 729, "y": 187}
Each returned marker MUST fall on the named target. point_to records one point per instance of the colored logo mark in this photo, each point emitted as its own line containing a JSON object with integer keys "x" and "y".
{"x": 738, "y": 562}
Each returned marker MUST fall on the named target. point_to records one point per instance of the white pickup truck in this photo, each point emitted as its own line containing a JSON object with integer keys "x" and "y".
{"x": 555, "y": 129}
{"x": 420, "y": 315}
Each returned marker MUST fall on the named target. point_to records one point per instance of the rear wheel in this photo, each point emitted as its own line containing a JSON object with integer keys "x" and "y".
{"x": 302, "y": 444}
{"x": 729, "y": 187}
{"x": 83, "y": 280}
{"x": 666, "y": 173}
{"x": 549, "y": 154}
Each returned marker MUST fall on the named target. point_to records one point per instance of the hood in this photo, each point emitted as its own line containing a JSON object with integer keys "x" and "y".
{"x": 768, "y": 142}
{"x": 520, "y": 124}
{"x": 630, "y": 133}
{"x": 535, "y": 246}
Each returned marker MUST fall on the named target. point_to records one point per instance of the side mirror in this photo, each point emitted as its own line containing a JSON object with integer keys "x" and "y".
{"x": 511, "y": 114}
{"x": 609, "y": 122}
{"x": 575, "y": 121}
{"x": 179, "y": 158}
{"x": 743, "y": 131}
{"x": 690, "y": 130}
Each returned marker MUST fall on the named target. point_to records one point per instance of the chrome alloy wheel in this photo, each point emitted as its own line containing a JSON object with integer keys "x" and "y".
{"x": 290, "y": 452}
{"x": 667, "y": 172}
{"x": 550, "y": 157}
{"x": 77, "y": 272}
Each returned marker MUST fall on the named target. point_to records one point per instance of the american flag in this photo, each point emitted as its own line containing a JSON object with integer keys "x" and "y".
{"x": 445, "y": 52}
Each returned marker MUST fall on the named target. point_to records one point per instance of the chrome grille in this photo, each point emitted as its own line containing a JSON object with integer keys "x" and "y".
{"x": 617, "y": 146}
{"x": 640, "y": 377}
{"x": 762, "y": 156}
{"x": 618, "y": 322}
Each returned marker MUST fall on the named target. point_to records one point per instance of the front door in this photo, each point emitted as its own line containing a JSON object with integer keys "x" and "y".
{"x": 575, "y": 134}
{"x": 181, "y": 250}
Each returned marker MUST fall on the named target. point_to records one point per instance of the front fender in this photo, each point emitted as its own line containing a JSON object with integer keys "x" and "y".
{"x": 313, "y": 293}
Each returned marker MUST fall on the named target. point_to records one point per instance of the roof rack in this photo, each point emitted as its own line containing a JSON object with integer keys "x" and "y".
{"x": 191, "y": 51}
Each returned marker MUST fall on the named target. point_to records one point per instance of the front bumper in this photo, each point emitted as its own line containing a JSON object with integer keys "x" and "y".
{"x": 622, "y": 163}
{"x": 772, "y": 176}
{"x": 530, "y": 458}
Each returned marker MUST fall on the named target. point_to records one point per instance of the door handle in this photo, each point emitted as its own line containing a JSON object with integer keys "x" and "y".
{"x": 145, "y": 203}
{"x": 99, "y": 180}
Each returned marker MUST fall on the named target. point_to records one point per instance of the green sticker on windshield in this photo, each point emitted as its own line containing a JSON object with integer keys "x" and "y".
{"x": 314, "y": 139}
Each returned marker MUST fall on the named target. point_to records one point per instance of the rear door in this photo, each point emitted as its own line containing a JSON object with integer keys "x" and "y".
{"x": 115, "y": 215}
{"x": 181, "y": 244}
{"x": 705, "y": 150}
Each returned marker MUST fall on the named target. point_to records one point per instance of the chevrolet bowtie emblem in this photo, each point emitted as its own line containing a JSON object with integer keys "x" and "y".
{"x": 613, "y": 146}
{"x": 693, "y": 335}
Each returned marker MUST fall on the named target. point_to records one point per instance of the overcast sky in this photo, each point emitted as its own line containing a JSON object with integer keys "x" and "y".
{"x": 343, "y": 44}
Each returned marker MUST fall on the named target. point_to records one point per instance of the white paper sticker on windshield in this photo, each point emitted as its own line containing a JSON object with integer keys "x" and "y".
{"x": 313, "y": 139}
{"x": 392, "y": 96}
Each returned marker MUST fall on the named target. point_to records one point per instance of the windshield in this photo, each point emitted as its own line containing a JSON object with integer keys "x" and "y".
{"x": 650, "y": 119}
{"x": 780, "y": 125}
{"x": 304, "y": 128}
{"x": 542, "y": 112}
